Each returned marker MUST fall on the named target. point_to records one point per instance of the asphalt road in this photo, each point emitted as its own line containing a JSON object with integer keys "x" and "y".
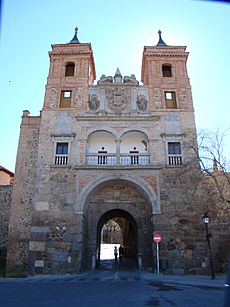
{"x": 110, "y": 288}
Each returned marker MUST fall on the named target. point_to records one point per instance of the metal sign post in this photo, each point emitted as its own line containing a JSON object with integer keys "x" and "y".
{"x": 157, "y": 239}
{"x": 158, "y": 259}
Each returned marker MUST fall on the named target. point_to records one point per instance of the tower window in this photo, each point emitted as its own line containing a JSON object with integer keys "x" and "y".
{"x": 65, "y": 101}
{"x": 170, "y": 100}
{"x": 62, "y": 149}
{"x": 167, "y": 70}
{"x": 61, "y": 157}
{"x": 69, "y": 69}
{"x": 174, "y": 153}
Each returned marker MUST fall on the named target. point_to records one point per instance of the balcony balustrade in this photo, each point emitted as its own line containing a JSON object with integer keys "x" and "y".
{"x": 174, "y": 160}
{"x": 61, "y": 159}
{"x": 121, "y": 159}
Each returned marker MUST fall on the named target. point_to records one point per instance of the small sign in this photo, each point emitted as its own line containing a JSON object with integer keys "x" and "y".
{"x": 157, "y": 238}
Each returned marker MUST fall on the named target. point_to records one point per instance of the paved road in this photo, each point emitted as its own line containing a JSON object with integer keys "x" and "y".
{"x": 111, "y": 286}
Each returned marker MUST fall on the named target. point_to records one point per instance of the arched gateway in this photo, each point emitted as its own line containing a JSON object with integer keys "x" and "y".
{"x": 127, "y": 203}
{"x": 107, "y": 150}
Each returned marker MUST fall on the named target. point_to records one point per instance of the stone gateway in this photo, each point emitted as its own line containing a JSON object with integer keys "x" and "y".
{"x": 111, "y": 150}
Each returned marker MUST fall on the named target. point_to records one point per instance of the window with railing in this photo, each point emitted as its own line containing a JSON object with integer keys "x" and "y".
{"x": 61, "y": 155}
{"x": 174, "y": 153}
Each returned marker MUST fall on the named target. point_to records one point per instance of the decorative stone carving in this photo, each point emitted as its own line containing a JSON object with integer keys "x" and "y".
{"x": 105, "y": 79}
{"x": 132, "y": 79}
{"x": 116, "y": 98}
{"x": 142, "y": 102}
{"x": 78, "y": 96}
{"x": 53, "y": 98}
{"x": 157, "y": 98}
{"x": 93, "y": 102}
{"x": 183, "y": 96}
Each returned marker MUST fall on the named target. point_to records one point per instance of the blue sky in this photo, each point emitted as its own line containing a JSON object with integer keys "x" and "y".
{"x": 118, "y": 30}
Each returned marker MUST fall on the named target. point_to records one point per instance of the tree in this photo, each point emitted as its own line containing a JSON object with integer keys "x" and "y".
{"x": 211, "y": 154}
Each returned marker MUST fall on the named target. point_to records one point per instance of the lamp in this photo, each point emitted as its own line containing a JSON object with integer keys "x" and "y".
{"x": 205, "y": 219}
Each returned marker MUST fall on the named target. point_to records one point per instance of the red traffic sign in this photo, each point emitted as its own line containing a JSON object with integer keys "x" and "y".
{"x": 157, "y": 238}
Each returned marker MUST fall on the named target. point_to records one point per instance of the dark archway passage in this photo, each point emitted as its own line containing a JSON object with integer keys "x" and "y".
{"x": 129, "y": 233}
{"x": 124, "y": 203}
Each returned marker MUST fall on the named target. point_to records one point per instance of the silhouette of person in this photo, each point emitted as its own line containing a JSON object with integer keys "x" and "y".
{"x": 115, "y": 253}
{"x": 121, "y": 252}
{"x": 102, "y": 159}
{"x": 134, "y": 156}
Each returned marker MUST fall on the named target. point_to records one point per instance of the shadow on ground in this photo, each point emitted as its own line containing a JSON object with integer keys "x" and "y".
{"x": 124, "y": 265}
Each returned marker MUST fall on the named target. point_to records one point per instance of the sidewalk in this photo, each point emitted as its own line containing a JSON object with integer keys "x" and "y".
{"x": 191, "y": 280}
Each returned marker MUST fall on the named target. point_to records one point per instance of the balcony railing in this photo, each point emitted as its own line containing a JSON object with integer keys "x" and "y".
{"x": 61, "y": 159}
{"x": 174, "y": 160}
{"x": 121, "y": 159}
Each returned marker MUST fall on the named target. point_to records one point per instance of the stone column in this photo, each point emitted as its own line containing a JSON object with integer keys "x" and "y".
{"x": 139, "y": 257}
{"x": 118, "y": 151}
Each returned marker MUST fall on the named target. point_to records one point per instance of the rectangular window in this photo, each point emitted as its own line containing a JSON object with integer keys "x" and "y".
{"x": 69, "y": 70}
{"x": 61, "y": 157}
{"x": 167, "y": 71}
{"x": 174, "y": 153}
{"x": 170, "y": 100}
{"x": 62, "y": 149}
{"x": 174, "y": 148}
{"x": 65, "y": 101}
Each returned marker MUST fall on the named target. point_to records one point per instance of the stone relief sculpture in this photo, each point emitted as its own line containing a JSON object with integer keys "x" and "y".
{"x": 132, "y": 79}
{"x": 93, "y": 102}
{"x": 142, "y": 102}
{"x": 157, "y": 98}
{"x": 117, "y": 99}
{"x": 78, "y": 96}
{"x": 105, "y": 79}
{"x": 183, "y": 96}
{"x": 53, "y": 98}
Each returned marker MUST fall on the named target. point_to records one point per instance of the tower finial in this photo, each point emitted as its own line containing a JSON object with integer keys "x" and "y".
{"x": 75, "y": 39}
{"x": 160, "y": 42}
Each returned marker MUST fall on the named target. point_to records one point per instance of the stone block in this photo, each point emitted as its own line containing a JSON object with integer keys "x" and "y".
{"x": 39, "y": 263}
{"x": 40, "y": 229}
{"x": 41, "y": 206}
{"x": 36, "y": 246}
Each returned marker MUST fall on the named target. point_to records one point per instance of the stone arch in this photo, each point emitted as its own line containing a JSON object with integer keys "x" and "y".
{"x": 120, "y": 194}
{"x": 129, "y": 238}
{"x": 103, "y": 129}
{"x": 127, "y": 130}
{"x": 141, "y": 185}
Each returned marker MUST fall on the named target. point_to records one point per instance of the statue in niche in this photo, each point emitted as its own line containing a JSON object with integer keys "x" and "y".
{"x": 93, "y": 102}
{"x": 142, "y": 102}
{"x": 53, "y": 98}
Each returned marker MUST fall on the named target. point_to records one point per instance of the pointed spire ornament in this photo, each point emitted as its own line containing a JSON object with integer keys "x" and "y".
{"x": 75, "y": 39}
{"x": 118, "y": 76}
{"x": 160, "y": 42}
{"x": 118, "y": 73}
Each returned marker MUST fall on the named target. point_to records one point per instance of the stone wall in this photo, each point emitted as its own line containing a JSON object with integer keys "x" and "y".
{"x": 23, "y": 190}
{"x": 185, "y": 197}
{"x": 5, "y": 204}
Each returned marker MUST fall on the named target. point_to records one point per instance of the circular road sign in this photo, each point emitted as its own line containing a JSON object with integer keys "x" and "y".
{"x": 157, "y": 238}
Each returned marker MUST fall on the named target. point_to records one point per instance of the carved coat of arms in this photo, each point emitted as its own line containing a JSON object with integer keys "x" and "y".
{"x": 117, "y": 98}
